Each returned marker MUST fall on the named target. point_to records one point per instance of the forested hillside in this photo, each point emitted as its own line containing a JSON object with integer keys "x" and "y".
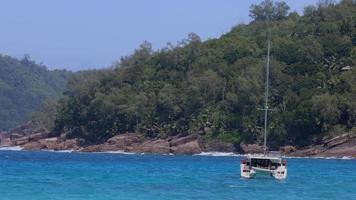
{"x": 24, "y": 85}
{"x": 215, "y": 88}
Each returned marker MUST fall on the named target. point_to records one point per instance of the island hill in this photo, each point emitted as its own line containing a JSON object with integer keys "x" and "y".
{"x": 24, "y": 86}
{"x": 204, "y": 95}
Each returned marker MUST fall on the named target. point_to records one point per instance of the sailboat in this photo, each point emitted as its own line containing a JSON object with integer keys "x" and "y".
{"x": 266, "y": 163}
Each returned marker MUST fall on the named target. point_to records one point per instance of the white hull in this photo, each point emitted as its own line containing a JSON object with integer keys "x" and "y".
{"x": 276, "y": 169}
{"x": 246, "y": 172}
{"x": 280, "y": 173}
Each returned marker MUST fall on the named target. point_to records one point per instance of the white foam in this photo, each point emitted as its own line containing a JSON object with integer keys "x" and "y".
{"x": 65, "y": 151}
{"x": 347, "y": 158}
{"x": 217, "y": 154}
{"x": 58, "y": 151}
{"x": 297, "y": 157}
{"x": 13, "y": 148}
{"x": 324, "y": 157}
{"x": 117, "y": 152}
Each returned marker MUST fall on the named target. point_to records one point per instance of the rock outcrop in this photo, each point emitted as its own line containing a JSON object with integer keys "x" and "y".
{"x": 31, "y": 138}
{"x": 34, "y": 146}
{"x": 287, "y": 149}
{"x": 23, "y": 129}
{"x": 185, "y": 144}
{"x": 217, "y": 146}
{"x": 190, "y": 148}
{"x": 122, "y": 142}
{"x": 137, "y": 143}
{"x": 251, "y": 148}
{"x": 55, "y": 144}
{"x": 100, "y": 148}
{"x": 5, "y": 139}
{"x": 339, "y": 146}
{"x": 159, "y": 146}
{"x": 38, "y": 135}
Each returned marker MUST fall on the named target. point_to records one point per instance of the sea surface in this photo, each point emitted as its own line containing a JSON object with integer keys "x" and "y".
{"x": 28, "y": 175}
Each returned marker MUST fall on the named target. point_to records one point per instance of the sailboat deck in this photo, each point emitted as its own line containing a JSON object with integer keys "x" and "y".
{"x": 263, "y": 157}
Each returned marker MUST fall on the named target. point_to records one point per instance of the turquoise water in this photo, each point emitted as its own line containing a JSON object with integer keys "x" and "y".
{"x": 77, "y": 176}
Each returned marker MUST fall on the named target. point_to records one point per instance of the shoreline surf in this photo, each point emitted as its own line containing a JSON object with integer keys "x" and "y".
{"x": 211, "y": 154}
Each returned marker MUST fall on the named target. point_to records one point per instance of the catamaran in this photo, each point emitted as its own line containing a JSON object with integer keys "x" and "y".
{"x": 266, "y": 163}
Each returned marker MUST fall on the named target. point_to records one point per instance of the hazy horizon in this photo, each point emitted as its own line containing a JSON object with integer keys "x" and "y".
{"x": 79, "y": 35}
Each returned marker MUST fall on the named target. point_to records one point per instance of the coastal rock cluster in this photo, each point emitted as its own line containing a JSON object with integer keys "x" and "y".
{"x": 30, "y": 138}
{"x": 338, "y": 146}
{"x": 132, "y": 142}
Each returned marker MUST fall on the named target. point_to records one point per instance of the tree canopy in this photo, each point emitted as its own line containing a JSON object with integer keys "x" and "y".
{"x": 269, "y": 11}
{"x": 214, "y": 88}
{"x": 24, "y": 85}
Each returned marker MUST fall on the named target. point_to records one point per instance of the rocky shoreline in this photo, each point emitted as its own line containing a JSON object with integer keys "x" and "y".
{"x": 339, "y": 146}
{"x": 29, "y": 138}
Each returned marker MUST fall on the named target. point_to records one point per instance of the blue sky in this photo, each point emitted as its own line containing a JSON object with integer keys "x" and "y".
{"x": 83, "y": 34}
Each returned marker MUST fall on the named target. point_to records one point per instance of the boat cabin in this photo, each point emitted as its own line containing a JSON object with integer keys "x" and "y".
{"x": 270, "y": 163}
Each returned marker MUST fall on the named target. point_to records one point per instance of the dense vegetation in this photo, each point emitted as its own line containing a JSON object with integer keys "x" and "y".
{"x": 214, "y": 88}
{"x": 24, "y": 85}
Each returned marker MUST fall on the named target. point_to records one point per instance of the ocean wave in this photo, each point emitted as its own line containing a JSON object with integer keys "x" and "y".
{"x": 347, "y": 158}
{"x": 65, "y": 151}
{"x": 326, "y": 157}
{"x": 13, "y": 148}
{"x": 296, "y": 157}
{"x": 117, "y": 152}
{"x": 322, "y": 157}
{"x": 217, "y": 154}
{"x": 331, "y": 158}
{"x": 60, "y": 151}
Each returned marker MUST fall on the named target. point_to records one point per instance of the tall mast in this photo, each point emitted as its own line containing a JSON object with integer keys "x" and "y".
{"x": 266, "y": 99}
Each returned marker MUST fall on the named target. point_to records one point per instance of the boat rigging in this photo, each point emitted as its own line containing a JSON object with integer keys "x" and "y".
{"x": 274, "y": 165}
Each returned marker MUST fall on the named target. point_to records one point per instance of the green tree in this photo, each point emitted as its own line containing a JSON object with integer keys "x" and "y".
{"x": 269, "y": 11}
{"x": 215, "y": 87}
